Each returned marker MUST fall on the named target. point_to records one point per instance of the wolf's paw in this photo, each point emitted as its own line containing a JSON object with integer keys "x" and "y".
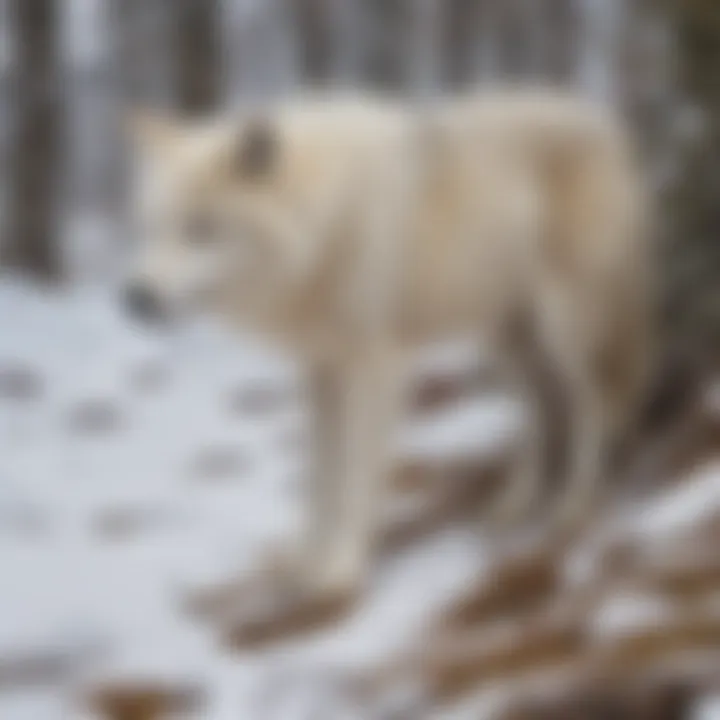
{"x": 274, "y": 603}
{"x": 283, "y": 615}
{"x": 277, "y": 574}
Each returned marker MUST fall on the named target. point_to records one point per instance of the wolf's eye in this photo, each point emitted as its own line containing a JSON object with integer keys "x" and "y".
{"x": 201, "y": 230}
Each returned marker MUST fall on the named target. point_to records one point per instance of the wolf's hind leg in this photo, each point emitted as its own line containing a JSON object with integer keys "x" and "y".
{"x": 528, "y": 377}
{"x": 523, "y": 489}
{"x": 588, "y": 440}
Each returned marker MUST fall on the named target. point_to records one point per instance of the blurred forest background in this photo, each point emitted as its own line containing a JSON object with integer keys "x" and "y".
{"x": 68, "y": 69}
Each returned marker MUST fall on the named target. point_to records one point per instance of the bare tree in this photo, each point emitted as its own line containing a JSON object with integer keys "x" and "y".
{"x": 315, "y": 40}
{"x": 563, "y": 40}
{"x": 91, "y": 157}
{"x": 350, "y": 40}
{"x": 145, "y": 37}
{"x": 387, "y": 20}
{"x": 597, "y": 70}
{"x": 461, "y": 34}
{"x": 423, "y": 47}
{"x": 486, "y": 58}
{"x": 35, "y": 148}
{"x": 259, "y": 48}
{"x": 6, "y": 67}
{"x": 197, "y": 54}
{"x": 693, "y": 250}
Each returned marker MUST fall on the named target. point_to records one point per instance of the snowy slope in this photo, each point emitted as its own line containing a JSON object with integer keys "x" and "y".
{"x": 133, "y": 468}
{"x": 194, "y": 486}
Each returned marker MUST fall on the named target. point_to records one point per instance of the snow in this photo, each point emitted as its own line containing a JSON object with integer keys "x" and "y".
{"x": 114, "y": 604}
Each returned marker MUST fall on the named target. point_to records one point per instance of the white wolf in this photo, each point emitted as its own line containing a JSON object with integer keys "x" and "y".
{"x": 352, "y": 230}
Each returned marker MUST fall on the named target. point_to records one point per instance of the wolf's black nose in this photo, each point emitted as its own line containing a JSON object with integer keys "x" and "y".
{"x": 142, "y": 303}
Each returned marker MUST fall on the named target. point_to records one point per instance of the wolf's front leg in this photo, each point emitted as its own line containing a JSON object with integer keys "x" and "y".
{"x": 356, "y": 406}
{"x": 358, "y": 403}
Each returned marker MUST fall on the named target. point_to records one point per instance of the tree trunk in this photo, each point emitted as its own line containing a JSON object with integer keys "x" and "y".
{"x": 34, "y": 157}
{"x": 315, "y": 41}
{"x": 91, "y": 152}
{"x": 145, "y": 38}
{"x": 423, "y": 47}
{"x": 197, "y": 54}
{"x": 693, "y": 252}
{"x": 463, "y": 37}
{"x": 387, "y": 20}
{"x": 6, "y": 68}
{"x": 562, "y": 42}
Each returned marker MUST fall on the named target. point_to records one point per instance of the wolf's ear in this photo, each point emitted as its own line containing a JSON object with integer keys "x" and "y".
{"x": 257, "y": 148}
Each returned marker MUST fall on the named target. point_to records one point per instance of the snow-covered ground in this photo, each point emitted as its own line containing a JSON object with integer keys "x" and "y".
{"x": 132, "y": 469}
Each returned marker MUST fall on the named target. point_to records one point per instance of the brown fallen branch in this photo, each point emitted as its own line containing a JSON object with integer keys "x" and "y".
{"x": 666, "y": 692}
{"x": 563, "y": 647}
{"x": 641, "y": 650}
{"x": 657, "y": 701}
{"x": 456, "y": 495}
{"x": 526, "y": 621}
{"x": 143, "y": 700}
{"x": 538, "y": 637}
{"x": 627, "y": 554}
{"x": 682, "y": 578}
{"x": 519, "y": 585}
{"x": 468, "y": 664}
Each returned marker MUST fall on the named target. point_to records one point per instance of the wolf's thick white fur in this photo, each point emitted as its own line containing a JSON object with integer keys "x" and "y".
{"x": 353, "y": 230}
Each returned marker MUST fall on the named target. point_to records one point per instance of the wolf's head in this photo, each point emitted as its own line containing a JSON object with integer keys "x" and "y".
{"x": 212, "y": 229}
